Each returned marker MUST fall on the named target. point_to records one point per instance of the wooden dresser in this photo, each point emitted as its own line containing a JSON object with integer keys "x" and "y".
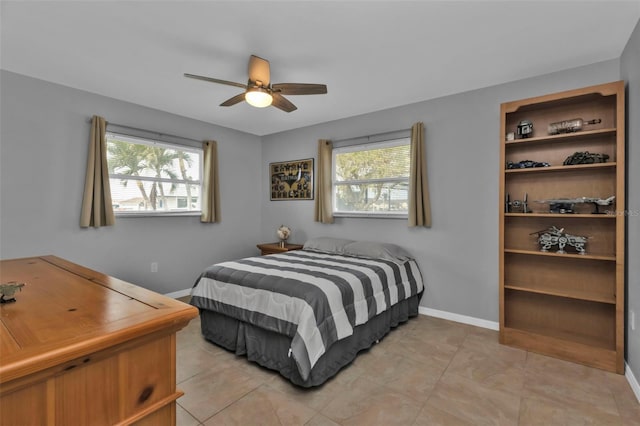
{"x": 275, "y": 248}
{"x": 82, "y": 348}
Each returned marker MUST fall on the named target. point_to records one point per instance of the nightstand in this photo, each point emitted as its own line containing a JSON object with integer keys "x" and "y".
{"x": 273, "y": 248}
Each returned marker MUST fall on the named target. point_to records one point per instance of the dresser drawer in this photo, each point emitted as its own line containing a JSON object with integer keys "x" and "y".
{"x": 147, "y": 373}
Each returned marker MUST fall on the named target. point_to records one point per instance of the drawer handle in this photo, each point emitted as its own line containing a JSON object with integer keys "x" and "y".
{"x": 145, "y": 394}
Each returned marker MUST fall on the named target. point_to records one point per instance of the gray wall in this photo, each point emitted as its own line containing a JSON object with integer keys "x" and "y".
{"x": 630, "y": 71}
{"x": 43, "y": 149}
{"x": 43, "y": 153}
{"x": 459, "y": 254}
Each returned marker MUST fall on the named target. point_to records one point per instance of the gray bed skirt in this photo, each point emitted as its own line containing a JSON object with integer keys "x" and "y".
{"x": 271, "y": 350}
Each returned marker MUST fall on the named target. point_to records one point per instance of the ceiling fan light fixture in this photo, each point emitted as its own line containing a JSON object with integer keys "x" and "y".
{"x": 259, "y": 92}
{"x": 258, "y": 97}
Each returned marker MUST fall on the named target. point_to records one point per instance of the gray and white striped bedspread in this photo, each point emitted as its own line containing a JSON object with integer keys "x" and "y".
{"x": 315, "y": 298}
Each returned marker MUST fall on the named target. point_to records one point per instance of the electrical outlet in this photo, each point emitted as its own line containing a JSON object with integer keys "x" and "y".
{"x": 632, "y": 320}
{"x": 154, "y": 266}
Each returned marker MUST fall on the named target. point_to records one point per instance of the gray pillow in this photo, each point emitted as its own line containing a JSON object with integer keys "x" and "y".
{"x": 327, "y": 244}
{"x": 375, "y": 250}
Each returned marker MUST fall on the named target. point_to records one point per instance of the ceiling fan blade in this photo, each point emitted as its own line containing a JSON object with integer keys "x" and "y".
{"x": 232, "y": 101}
{"x": 259, "y": 70}
{"x": 215, "y": 80}
{"x": 300, "y": 89}
{"x": 282, "y": 103}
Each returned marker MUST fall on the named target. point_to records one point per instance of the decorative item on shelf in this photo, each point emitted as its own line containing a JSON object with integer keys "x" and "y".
{"x": 524, "y": 129}
{"x": 283, "y": 234}
{"x": 526, "y": 164}
{"x": 585, "y": 158}
{"x": 553, "y": 236}
{"x": 566, "y": 205}
{"x": 7, "y": 291}
{"x": 560, "y": 207}
{"x": 510, "y": 136}
{"x": 517, "y": 206}
{"x": 570, "y": 126}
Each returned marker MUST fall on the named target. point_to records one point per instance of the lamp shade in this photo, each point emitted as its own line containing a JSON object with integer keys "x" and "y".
{"x": 258, "y": 97}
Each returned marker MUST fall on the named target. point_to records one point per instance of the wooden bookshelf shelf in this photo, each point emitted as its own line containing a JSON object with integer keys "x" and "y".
{"x": 562, "y": 168}
{"x": 567, "y": 137}
{"x": 548, "y": 332}
{"x": 562, "y": 216}
{"x": 570, "y": 255}
{"x": 567, "y": 305}
{"x": 552, "y": 290}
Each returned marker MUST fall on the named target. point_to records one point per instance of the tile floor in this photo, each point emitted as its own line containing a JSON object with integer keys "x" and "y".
{"x": 427, "y": 372}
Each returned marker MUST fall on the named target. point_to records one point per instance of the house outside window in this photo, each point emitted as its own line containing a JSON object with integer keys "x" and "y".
{"x": 372, "y": 179}
{"x": 183, "y": 202}
{"x": 150, "y": 177}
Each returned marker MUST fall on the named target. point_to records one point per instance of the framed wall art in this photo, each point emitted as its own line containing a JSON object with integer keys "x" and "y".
{"x": 292, "y": 180}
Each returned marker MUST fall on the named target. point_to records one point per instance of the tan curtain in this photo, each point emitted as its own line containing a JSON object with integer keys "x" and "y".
{"x": 97, "y": 209}
{"x": 419, "y": 206}
{"x": 324, "y": 209}
{"x": 210, "y": 184}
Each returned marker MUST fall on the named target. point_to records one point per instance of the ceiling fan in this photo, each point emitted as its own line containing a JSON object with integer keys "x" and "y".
{"x": 259, "y": 91}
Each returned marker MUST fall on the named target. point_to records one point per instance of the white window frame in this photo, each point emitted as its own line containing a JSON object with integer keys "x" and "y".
{"x": 383, "y": 143}
{"x": 169, "y": 145}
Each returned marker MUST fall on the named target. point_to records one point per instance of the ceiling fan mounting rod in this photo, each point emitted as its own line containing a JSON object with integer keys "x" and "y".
{"x": 258, "y": 85}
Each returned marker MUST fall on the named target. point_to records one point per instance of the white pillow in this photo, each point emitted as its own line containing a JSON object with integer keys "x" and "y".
{"x": 375, "y": 250}
{"x": 327, "y": 244}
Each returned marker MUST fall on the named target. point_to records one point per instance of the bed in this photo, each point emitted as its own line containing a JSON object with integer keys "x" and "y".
{"x": 307, "y": 313}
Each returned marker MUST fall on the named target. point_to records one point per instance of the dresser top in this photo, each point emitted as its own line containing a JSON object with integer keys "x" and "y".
{"x": 66, "y": 311}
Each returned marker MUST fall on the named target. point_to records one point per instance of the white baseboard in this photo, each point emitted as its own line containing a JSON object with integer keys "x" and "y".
{"x": 492, "y": 325}
{"x": 633, "y": 382}
{"x": 179, "y": 293}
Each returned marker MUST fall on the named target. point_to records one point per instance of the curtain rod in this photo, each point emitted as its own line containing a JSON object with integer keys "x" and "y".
{"x": 370, "y": 136}
{"x": 137, "y": 129}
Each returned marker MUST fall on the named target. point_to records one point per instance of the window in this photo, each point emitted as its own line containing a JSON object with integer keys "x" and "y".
{"x": 152, "y": 177}
{"x": 372, "y": 179}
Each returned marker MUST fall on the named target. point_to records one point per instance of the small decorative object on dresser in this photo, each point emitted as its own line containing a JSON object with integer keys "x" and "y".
{"x": 8, "y": 290}
{"x": 283, "y": 234}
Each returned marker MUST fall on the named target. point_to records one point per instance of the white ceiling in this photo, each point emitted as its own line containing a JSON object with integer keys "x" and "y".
{"x": 372, "y": 55}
